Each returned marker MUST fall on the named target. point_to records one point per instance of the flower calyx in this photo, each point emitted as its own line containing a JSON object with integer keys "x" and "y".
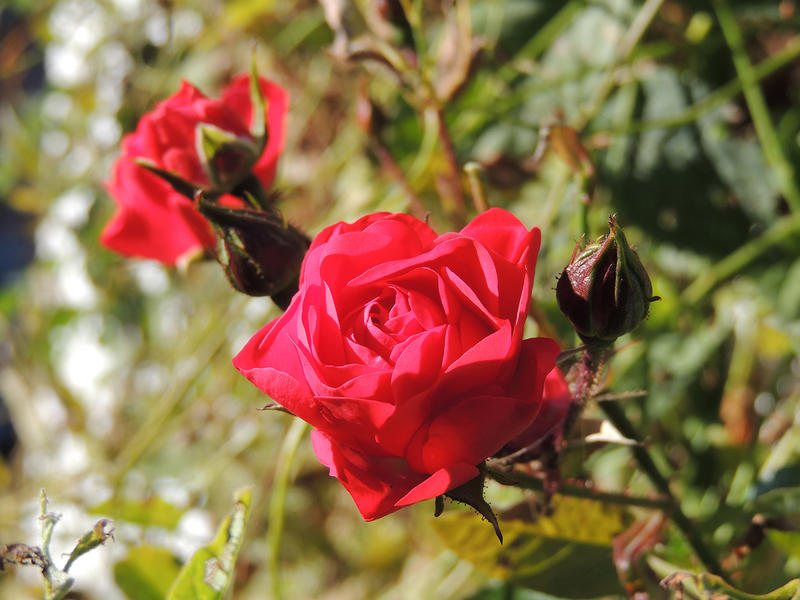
{"x": 471, "y": 493}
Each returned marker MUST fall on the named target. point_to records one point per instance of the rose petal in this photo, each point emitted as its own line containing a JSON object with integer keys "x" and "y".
{"x": 556, "y": 400}
{"x": 145, "y": 225}
{"x": 503, "y": 233}
{"x": 375, "y": 483}
{"x": 469, "y": 431}
{"x": 441, "y": 481}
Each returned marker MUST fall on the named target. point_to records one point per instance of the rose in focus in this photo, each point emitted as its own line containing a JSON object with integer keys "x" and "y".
{"x": 405, "y": 351}
{"x": 152, "y": 219}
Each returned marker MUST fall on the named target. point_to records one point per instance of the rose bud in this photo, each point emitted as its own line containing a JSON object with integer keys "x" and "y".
{"x": 260, "y": 252}
{"x": 190, "y": 142}
{"x": 605, "y": 291}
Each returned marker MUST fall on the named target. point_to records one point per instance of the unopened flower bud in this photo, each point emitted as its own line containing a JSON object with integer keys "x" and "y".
{"x": 226, "y": 158}
{"x": 260, "y": 252}
{"x": 605, "y": 291}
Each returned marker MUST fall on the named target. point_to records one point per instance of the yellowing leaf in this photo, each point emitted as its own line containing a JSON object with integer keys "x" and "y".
{"x": 545, "y": 554}
{"x": 146, "y": 573}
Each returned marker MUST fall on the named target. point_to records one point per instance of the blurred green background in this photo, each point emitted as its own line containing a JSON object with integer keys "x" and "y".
{"x": 119, "y": 395}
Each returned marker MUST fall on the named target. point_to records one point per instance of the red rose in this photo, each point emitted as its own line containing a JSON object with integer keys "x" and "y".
{"x": 155, "y": 221}
{"x": 550, "y": 420}
{"x": 404, "y": 350}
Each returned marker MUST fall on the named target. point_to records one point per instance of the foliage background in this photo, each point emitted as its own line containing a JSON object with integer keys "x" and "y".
{"x": 116, "y": 373}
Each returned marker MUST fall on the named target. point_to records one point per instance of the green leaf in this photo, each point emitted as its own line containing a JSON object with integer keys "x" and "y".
{"x": 90, "y": 540}
{"x": 147, "y": 573}
{"x": 544, "y": 554}
{"x": 153, "y": 512}
{"x": 180, "y": 185}
{"x": 788, "y": 541}
{"x": 509, "y": 592}
{"x": 208, "y": 573}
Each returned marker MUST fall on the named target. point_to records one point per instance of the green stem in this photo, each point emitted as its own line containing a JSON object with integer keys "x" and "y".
{"x": 454, "y": 172}
{"x": 757, "y": 105}
{"x": 626, "y": 46}
{"x": 716, "y": 98}
{"x": 145, "y": 438}
{"x": 390, "y": 167}
{"x": 618, "y": 418}
{"x": 779, "y": 231}
{"x": 530, "y": 482}
{"x": 472, "y": 169}
{"x": 277, "y": 505}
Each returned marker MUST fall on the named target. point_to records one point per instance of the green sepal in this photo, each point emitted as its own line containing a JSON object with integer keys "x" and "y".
{"x": 226, "y": 158}
{"x": 178, "y": 183}
{"x": 471, "y": 493}
{"x": 258, "y": 126}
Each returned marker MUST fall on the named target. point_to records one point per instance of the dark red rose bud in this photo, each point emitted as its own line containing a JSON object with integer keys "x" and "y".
{"x": 260, "y": 252}
{"x": 605, "y": 291}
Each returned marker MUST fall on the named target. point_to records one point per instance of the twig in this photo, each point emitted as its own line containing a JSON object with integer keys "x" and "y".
{"x": 530, "y": 482}
{"x": 454, "y": 172}
{"x": 390, "y": 166}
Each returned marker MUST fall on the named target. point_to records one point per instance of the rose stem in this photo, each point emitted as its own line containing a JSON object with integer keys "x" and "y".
{"x": 452, "y": 164}
{"x": 587, "y": 376}
{"x": 531, "y": 482}
{"x": 618, "y": 418}
{"x": 277, "y": 504}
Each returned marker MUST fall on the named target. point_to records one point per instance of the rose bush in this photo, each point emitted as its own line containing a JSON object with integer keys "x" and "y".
{"x": 405, "y": 352}
{"x": 155, "y": 221}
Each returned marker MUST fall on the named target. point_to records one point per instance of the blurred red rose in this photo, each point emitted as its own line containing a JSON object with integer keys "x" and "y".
{"x": 155, "y": 221}
{"x": 404, "y": 350}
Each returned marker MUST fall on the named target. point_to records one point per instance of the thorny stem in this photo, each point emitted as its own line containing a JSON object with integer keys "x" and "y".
{"x": 588, "y": 375}
{"x": 531, "y": 482}
{"x": 617, "y": 417}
